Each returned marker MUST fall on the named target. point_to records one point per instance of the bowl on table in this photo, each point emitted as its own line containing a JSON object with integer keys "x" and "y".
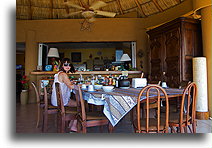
{"x": 83, "y": 87}
{"x": 97, "y": 86}
{"x": 108, "y": 88}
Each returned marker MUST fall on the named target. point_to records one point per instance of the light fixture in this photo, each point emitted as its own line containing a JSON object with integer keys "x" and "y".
{"x": 125, "y": 57}
{"x": 88, "y": 14}
{"x": 53, "y": 52}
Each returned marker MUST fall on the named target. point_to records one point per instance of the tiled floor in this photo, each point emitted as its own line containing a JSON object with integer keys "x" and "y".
{"x": 26, "y": 122}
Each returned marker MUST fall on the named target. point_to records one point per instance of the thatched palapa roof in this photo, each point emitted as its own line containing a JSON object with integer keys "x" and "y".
{"x": 55, "y": 9}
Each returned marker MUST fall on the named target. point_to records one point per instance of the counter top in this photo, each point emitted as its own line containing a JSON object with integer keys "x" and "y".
{"x": 85, "y": 72}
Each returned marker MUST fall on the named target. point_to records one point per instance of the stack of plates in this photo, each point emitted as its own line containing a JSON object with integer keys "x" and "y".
{"x": 124, "y": 87}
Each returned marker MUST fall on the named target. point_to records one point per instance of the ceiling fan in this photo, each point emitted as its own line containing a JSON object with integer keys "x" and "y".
{"x": 88, "y": 12}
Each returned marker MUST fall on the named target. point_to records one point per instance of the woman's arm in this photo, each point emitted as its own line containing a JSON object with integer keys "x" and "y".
{"x": 63, "y": 77}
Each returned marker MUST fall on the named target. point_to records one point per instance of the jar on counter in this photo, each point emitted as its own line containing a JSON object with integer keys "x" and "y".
{"x": 114, "y": 82}
{"x": 113, "y": 68}
{"x": 110, "y": 81}
{"x": 116, "y": 68}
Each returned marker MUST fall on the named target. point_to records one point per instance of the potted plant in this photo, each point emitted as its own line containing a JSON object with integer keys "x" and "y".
{"x": 25, "y": 87}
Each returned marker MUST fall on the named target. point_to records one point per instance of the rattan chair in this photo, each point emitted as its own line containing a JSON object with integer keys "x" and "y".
{"x": 44, "y": 105}
{"x": 147, "y": 124}
{"x": 88, "y": 119}
{"x": 65, "y": 113}
{"x": 48, "y": 109}
{"x": 186, "y": 116}
{"x": 40, "y": 104}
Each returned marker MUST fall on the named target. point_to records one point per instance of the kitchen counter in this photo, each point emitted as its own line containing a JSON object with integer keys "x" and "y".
{"x": 86, "y": 72}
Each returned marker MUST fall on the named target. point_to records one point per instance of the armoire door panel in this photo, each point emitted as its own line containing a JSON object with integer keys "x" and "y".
{"x": 172, "y": 43}
{"x": 189, "y": 50}
{"x": 156, "y": 73}
{"x": 156, "y": 62}
{"x": 187, "y": 69}
{"x": 172, "y": 52}
{"x": 172, "y": 71}
{"x": 172, "y": 46}
{"x": 188, "y": 41}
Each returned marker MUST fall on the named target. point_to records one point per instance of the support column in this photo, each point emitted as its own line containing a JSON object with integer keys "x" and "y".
{"x": 204, "y": 8}
{"x": 31, "y": 58}
{"x": 206, "y": 22}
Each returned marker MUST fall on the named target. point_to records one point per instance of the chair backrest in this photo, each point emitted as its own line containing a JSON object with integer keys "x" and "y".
{"x": 46, "y": 101}
{"x": 188, "y": 104}
{"x": 80, "y": 102}
{"x": 159, "y": 93}
{"x": 36, "y": 92}
{"x": 47, "y": 83}
{"x": 60, "y": 103}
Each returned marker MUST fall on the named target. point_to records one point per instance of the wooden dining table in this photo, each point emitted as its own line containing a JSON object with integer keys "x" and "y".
{"x": 119, "y": 102}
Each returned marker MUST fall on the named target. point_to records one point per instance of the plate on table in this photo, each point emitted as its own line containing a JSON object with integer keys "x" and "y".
{"x": 165, "y": 87}
{"x": 124, "y": 87}
{"x": 89, "y": 90}
{"x": 98, "y": 89}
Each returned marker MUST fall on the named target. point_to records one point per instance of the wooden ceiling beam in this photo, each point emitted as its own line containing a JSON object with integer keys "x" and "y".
{"x": 119, "y": 5}
{"x": 80, "y": 2}
{"x": 140, "y": 8}
{"x": 51, "y": 9}
{"x": 157, "y": 5}
{"x": 30, "y": 9}
{"x": 66, "y": 7}
{"x": 178, "y": 1}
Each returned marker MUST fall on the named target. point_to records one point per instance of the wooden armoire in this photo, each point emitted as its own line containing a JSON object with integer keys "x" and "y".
{"x": 172, "y": 47}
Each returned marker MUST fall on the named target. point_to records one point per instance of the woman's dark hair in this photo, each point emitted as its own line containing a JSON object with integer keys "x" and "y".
{"x": 72, "y": 69}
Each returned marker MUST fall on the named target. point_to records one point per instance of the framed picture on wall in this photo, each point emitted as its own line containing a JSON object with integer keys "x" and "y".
{"x": 61, "y": 55}
{"x": 76, "y": 56}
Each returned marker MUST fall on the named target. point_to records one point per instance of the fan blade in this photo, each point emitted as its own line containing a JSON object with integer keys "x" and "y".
{"x": 91, "y": 19}
{"x": 73, "y": 13}
{"x": 70, "y": 4}
{"x": 105, "y": 13}
{"x": 67, "y": 9}
{"x": 97, "y": 5}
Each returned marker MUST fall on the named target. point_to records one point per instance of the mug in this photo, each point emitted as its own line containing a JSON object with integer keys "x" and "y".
{"x": 90, "y": 88}
{"x": 164, "y": 84}
{"x": 84, "y": 86}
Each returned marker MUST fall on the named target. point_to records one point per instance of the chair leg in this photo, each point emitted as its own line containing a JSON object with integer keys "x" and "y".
{"x": 45, "y": 122}
{"x": 177, "y": 104}
{"x": 63, "y": 125}
{"x": 194, "y": 125}
{"x": 55, "y": 120}
{"x": 110, "y": 128}
{"x": 189, "y": 127}
{"x": 143, "y": 112}
{"x": 79, "y": 128}
{"x": 172, "y": 129}
{"x": 38, "y": 116}
{"x": 132, "y": 115}
{"x": 58, "y": 123}
{"x": 178, "y": 129}
{"x": 101, "y": 128}
{"x": 185, "y": 129}
{"x": 84, "y": 128}
{"x": 181, "y": 129}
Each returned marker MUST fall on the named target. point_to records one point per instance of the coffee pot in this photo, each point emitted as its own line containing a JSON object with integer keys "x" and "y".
{"x": 164, "y": 85}
{"x": 124, "y": 82}
{"x": 90, "y": 88}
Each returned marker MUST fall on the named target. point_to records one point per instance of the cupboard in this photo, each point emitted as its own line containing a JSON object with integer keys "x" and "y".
{"x": 172, "y": 47}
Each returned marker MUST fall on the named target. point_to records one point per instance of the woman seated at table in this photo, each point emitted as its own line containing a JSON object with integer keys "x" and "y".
{"x": 65, "y": 84}
{"x": 66, "y": 88}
